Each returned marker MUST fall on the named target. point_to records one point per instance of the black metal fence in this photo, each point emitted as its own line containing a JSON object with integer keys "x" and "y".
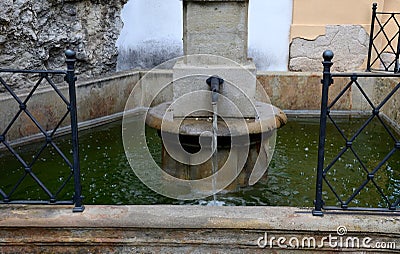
{"x": 47, "y": 137}
{"x": 325, "y": 165}
{"x": 384, "y": 42}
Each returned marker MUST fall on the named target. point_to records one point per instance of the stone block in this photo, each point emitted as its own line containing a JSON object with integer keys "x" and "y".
{"x": 239, "y": 87}
{"x": 216, "y": 27}
{"x": 349, "y": 43}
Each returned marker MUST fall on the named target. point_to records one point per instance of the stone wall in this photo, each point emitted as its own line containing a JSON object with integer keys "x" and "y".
{"x": 348, "y": 42}
{"x": 391, "y": 108}
{"x": 34, "y": 34}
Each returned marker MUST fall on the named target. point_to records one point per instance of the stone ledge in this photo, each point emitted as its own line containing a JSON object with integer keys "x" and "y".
{"x": 174, "y": 216}
{"x": 180, "y": 229}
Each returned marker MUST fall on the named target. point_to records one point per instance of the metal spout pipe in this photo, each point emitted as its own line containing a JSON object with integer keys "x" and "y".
{"x": 215, "y": 84}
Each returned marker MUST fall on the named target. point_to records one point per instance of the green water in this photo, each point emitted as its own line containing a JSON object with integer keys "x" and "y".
{"x": 108, "y": 179}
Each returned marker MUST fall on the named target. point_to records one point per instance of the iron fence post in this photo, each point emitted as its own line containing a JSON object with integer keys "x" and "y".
{"x": 71, "y": 78}
{"x": 371, "y": 35}
{"x": 326, "y": 82}
{"x": 396, "y": 63}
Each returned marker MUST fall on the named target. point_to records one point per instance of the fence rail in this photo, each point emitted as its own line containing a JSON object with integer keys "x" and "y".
{"x": 324, "y": 165}
{"x": 47, "y": 136}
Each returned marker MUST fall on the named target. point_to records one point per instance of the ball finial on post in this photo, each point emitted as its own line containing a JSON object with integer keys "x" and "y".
{"x": 328, "y": 55}
{"x": 70, "y": 54}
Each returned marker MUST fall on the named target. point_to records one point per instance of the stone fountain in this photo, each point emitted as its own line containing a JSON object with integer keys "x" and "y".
{"x": 215, "y": 82}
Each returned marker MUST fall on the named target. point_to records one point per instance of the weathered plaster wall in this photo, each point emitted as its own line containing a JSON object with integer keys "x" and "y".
{"x": 34, "y": 34}
{"x": 310, "y": 17}
{"x": 341, "y": 25}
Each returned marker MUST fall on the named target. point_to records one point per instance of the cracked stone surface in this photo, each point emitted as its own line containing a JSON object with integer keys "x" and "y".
{"x": 34, "y": 35}
{"x": 349, "y": 43}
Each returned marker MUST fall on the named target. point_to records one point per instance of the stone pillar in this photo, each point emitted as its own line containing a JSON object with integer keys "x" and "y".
{"x": 216, "y": 27}
{"x": 217, "y": 30}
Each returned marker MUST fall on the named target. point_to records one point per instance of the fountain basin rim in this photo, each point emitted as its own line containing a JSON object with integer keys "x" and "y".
{"x": 271, "y": 118}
